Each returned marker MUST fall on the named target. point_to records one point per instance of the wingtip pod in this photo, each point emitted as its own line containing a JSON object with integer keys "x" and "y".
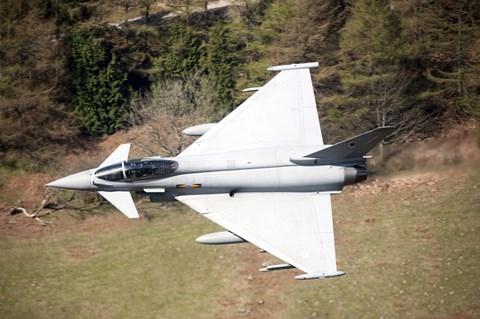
{"x": 294, "y": 66}
{"x": 320, "y": 275}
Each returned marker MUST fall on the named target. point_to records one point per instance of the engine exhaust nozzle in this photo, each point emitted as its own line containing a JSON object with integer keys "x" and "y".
{"x": 355, "y": 174}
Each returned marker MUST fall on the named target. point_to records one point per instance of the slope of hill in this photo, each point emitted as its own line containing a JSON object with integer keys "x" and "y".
{"x": 71, "y": 70}
{"x": 409, "y": 242}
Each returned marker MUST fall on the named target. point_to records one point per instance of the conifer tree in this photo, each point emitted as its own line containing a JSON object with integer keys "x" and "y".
{"x": 295, "y": 42}
{"x": 99, "y": 86}
{"x": 182, "y": 56}
{"x": 372, "y": 70}
{"x": 288, "y": 31}
{"x": 220, "y": 65}
{"x": 446, "y": 45}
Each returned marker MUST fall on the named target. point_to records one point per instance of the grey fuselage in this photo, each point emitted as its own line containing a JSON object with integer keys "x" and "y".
{"x": 262, "y": 170}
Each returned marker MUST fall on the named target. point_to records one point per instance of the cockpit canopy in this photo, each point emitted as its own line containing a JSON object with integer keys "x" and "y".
{"x": 135, "y": 170}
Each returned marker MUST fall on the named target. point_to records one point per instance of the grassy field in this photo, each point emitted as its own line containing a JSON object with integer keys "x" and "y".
{"x": 411, "y": 250}
{"x": 409, "y": 243}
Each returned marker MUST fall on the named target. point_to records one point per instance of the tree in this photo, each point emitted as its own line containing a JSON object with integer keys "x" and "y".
{"x": 445, "y": 42}
{"x": 147, "y": 5}
{"x": 182, "y": 56}
{"x": 35, "y": 117}
{"x": 220, "y": 64}
{"x": 159, "y": 116}
{"x": 372, "y": 69}
{"x": 99, "y": 86}
{"x": 296, "y": 41}
{"x": 10, "y": 12}
{"x": 288, "y": 30}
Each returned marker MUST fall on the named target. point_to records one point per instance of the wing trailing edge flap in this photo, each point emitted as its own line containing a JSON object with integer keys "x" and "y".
{"x": 295, "y": 227}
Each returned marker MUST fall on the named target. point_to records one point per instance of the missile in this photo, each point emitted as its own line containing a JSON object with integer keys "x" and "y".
{"x": 276, "y": 267}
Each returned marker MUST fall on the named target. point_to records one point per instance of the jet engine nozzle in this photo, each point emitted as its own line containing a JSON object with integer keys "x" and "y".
{"x": 355, "y": 174}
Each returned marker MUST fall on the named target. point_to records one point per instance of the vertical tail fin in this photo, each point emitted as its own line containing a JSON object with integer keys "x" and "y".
{"x": 353, "y": 148}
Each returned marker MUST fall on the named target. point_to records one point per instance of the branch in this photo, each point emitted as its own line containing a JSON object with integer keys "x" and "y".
{"x": 18, "y": 210}
{"x": 48, "y": 206}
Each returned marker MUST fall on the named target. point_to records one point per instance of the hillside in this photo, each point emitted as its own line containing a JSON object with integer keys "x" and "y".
{"x": 407, "y": 240}
{"x": 80, "y": 77}
{"x": 74, "y": 71}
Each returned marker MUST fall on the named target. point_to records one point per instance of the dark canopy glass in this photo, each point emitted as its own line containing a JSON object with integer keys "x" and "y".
{"x": 137, "y": 170}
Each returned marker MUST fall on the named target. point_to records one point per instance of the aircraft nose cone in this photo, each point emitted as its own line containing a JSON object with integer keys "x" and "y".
{"x": 78, "y": 181}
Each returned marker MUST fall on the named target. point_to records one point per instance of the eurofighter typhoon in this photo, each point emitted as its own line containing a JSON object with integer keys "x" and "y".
{"x": 262, "y": 173}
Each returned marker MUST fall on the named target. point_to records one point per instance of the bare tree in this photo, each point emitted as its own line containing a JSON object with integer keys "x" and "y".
{"x": 159, "y": 117}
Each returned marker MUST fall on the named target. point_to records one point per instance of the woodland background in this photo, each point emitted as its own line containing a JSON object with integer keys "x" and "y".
{"x": 78, "y": 78}
{"x": 72, "y": 71}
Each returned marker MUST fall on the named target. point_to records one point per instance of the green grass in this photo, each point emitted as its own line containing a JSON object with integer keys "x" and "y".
{"x": 412, "y": 252}
{"x": 151, "y": 270}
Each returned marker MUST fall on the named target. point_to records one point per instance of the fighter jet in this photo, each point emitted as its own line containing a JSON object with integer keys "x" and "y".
{"x": 263, "y": 173}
